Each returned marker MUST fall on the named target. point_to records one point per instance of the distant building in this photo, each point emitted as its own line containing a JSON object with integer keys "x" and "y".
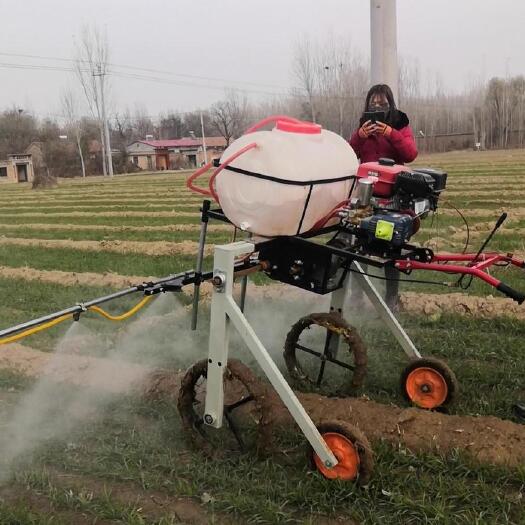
{"x": 171, "y": 154}
{"x": 17, "y": 168}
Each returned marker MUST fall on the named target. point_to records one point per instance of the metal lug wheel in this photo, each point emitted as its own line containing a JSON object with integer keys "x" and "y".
{"x": 307, "y": 365}
{"x": 244, "y": 406}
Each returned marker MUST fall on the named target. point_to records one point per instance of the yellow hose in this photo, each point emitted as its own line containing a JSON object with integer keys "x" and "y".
{"x": 125, "y": 315}
{"x": 36, "y": 329}
{"x": 49, "y": 324}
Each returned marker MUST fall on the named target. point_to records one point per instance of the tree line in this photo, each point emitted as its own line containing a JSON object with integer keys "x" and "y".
{"x": 330, "y": 81}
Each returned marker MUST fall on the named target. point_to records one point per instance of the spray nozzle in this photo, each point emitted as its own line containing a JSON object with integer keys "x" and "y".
{"x": 76, "y": 315}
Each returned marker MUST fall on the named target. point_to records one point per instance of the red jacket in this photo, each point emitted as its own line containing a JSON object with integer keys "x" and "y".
{"x": 400, "y": 146}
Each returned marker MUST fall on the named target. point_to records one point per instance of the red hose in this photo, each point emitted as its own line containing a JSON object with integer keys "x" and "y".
{"x": 269, "y": 120}
{"x": 211, "y": 191}
{"x": 198, "y": 173}
{"x": 321, "y": 222}
{"x": 230, "y": 159}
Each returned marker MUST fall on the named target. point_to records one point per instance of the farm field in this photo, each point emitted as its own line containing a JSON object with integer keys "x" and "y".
{"x": 100, "y": 440}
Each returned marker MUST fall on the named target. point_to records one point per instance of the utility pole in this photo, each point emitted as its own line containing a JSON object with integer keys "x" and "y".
{"x": 203, "y": 141}
{"x": 383, "y": 39}
{"x": 107, "y": 140}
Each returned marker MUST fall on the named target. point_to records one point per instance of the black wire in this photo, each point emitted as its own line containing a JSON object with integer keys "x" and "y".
{"x": 460, "y": 283}
{"x": 465, "y": 222}
{"x": 399, "y": 280}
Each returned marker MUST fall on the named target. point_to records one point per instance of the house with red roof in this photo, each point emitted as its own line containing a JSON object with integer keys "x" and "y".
{"x": 169, "y": 154}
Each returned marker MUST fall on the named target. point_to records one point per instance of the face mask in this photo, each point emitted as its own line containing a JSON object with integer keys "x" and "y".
{"x": 379, "y": 107}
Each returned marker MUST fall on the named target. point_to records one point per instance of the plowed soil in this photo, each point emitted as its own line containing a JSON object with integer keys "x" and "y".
{"x": 113, "y": 246}
{"x": 111, "y": 228}
{"x": 106, "y": 214}
{"x": 486, "y": 439}
{"x": 105, "y": 279}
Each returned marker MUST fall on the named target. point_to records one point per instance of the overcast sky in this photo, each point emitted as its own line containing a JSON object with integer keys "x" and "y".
{"x": 239, "y": 41}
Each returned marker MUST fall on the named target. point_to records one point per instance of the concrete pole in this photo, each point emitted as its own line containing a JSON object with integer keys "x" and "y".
{"x": 204, "y": 141}
{"x": 106, "y": 127}
{"x": 383, "y": 40}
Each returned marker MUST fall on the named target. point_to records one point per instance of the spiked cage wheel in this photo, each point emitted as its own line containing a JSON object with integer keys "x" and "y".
{"x": 244, "y": 404}
{"x": 333, "y": 324}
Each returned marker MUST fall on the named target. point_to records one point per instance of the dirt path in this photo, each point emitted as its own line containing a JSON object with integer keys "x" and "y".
{"x": 459, "y": 303}
{"x": 113, "y": 376}
{"x": 105, "y": 214}
{"x": 513, "y": 213}
{"x": 106, "y": 279}
{"x": 492, "y": 192}
{"x": 412, "y": 302}
{"x": 486, "y": 439}
{"x": 113, "y": 246}
{"x": 111, "y": 228}
{"x": 20, "y": 209}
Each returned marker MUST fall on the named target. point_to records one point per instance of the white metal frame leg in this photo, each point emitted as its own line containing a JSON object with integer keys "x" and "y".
{"x": 384, "y": 312}
{"x": 224, "y": 313}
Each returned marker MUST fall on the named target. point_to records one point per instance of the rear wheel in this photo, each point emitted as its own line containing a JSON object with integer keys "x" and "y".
{"x": 429, "y": 383}
{"x": 307, "y": 349}
{"x": 244, "y": 406}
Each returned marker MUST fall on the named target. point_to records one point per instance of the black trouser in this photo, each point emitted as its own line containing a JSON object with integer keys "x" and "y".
{"x": 392, "y": 286}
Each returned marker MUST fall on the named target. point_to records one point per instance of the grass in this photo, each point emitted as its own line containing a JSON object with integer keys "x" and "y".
{"x": 71, "y": 260}
{"x": 406, "y": 488}
{"x": 141, "y": 444}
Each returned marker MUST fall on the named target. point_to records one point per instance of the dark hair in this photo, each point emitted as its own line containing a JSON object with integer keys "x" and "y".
{"x": 381, "y": 89}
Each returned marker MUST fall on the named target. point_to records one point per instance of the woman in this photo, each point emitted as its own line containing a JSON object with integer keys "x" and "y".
{"x": 392, "y": 139}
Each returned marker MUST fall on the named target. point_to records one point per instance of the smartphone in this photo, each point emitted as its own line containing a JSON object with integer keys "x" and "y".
{"x": 374, "y": 116}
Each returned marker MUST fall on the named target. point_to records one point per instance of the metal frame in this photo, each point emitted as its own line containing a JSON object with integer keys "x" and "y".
{"x": 333, "y": 340}
{"x": 225, "y": 314}
{"x": 384, "y": 311}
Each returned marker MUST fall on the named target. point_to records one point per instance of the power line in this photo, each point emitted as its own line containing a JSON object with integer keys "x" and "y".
{"x": 147, "y": 70}
{"x": 182, "y": 83}
{"x": 136, "y": 76}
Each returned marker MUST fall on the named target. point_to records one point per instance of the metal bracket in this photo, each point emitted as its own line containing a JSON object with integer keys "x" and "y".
{"x": 225, "y": 313}
{"x": 383, "y": 310}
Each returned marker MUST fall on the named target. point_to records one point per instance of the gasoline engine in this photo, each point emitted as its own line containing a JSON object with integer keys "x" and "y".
{"x": 390, "y": 203}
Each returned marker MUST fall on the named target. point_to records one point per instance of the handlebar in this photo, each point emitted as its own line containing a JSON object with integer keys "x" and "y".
{"x": 519, "y": 297}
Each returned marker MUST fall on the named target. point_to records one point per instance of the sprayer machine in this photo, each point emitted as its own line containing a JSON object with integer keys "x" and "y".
{"x": 315, "y": 219}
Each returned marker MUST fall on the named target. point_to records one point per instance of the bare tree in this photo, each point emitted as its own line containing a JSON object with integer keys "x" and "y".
{"x": 91, "y": 66}
{"x": 73, "y": 121}
{"x": 304, "y": 67}
{"x": 230, "y": 115}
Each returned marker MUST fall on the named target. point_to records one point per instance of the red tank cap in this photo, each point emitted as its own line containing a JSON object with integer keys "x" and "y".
{"x": 308, "y": 128}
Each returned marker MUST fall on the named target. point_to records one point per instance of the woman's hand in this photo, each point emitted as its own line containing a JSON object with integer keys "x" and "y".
{"x": 367, "y": 129}
{"x": 383, "y": 129}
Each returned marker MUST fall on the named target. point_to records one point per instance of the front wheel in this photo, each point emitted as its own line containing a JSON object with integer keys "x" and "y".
{"x": 351, "y": 449}
{"x": 429, "y": 383}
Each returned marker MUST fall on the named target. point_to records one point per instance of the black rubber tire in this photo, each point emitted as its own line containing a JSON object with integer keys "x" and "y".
{"x": 356, "y": 346}
{"x": 360, "y": 441}
{"x": 187, "y": 397}
{"x": 438, "y": 365}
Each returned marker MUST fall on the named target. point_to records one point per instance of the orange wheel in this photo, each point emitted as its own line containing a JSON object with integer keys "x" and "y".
{"x": 428, "y": 383}
{"x": 351, "y": 449}
{"x": 343, "y": 449}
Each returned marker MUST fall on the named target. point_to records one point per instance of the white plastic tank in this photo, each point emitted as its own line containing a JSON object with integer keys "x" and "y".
{"x": 290, "y": 152}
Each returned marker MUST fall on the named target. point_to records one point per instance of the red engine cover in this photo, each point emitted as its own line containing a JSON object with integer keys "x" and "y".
{"x": 384, "y": 176}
